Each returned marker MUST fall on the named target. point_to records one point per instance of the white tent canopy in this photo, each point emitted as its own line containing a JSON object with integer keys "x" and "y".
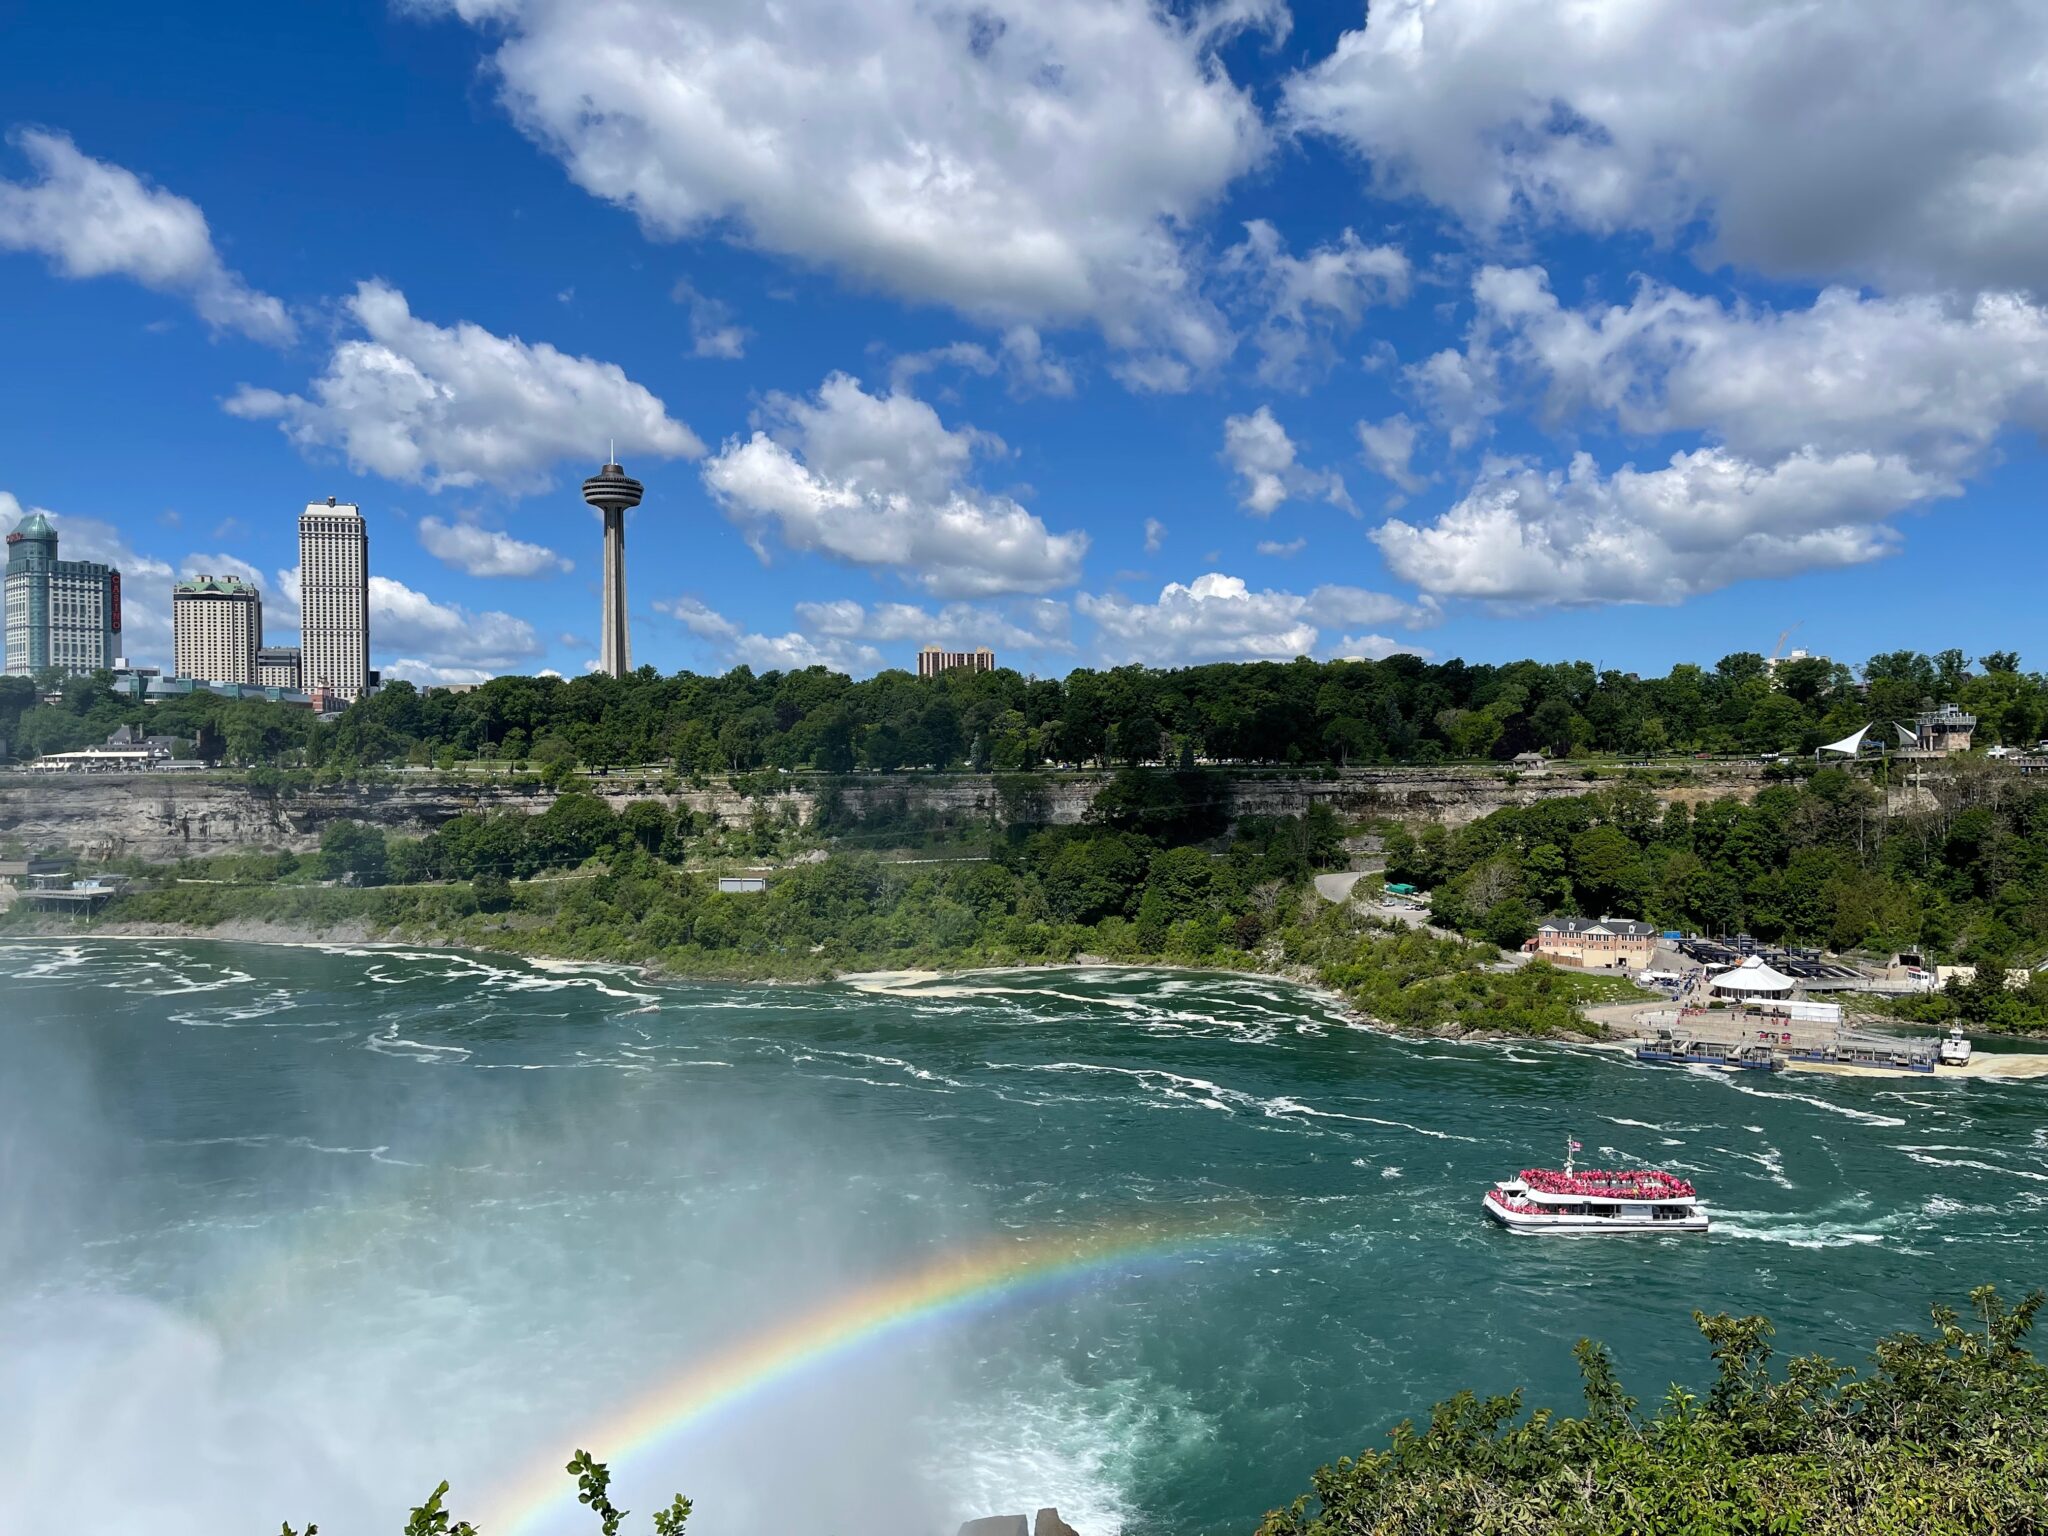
{"x": 1848, "y": 746}
{"x": 1753, "y": 976}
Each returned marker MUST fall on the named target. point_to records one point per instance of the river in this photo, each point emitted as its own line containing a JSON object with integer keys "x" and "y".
{"x": 292, "y": 1234}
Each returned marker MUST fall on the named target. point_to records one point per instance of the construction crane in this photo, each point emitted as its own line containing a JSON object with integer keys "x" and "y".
{"x": 1779, "y": 649}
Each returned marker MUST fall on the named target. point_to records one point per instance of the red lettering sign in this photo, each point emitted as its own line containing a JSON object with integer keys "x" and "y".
{"x": 114, "y": 581}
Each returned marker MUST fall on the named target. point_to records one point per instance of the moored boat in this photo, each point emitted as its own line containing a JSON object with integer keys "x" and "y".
{"x": 1595, "y": 1200}
{"x": 1955, "y": 1050}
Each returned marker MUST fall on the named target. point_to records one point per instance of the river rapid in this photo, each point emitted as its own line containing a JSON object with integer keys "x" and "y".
{"x": 292, "y": 1234}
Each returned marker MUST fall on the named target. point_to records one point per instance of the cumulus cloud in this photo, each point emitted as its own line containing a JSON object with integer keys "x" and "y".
{"x": 487, "y": 551}
{"x": 1258, "y": 448}
{"x": 735, "y": 645}
{"x": 714, "y": 331}
{"x": 1933, "y": 379}
{"x": 1022, "y": 624}
{"x": 1048, "y": 182}
{"x": 1311, "y": 301}
{"x": 1219, "y": 618}
{"x": 426, "y": 674}
{"x": 1823, "y": 423}
{"x": 1155, "y": 535}
{"x": 1389, "y": 447}
{"x": 1028, "y": 365}
{"x": 93, "y": 219}
{"x": 879, "y": 482}
{"x": 1459, "y": 390}
{"x": 1708, "y": 519}
{"x": 1822, "y": 139}
{"x": 1275, "y": 549}
{"x": 409, "y": 627}
{"x": 459, "y": 406}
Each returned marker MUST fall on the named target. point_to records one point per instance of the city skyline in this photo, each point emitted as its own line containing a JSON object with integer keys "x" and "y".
{"x": 1309, "y": 365}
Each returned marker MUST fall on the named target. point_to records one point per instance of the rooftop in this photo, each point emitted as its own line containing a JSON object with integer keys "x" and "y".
{"x": 1628, "y": 926}
{"x": 231, "y": 586}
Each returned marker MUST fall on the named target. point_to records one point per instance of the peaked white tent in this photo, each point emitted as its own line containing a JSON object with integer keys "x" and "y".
{"x": 1848, "y": 746}
{"x": 1753, "y": 977}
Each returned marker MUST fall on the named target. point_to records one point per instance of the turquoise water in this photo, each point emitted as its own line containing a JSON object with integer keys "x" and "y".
{"x": 292, "y": 1234}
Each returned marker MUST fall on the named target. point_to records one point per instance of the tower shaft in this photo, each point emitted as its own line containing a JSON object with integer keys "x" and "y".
{"x": 615, "y": 654}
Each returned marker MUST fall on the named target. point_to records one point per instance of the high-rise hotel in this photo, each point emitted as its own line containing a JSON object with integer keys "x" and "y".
{"x": 334, "y": 600}
{"x": 59, "y": 613}
{"x": 217, "y": 629}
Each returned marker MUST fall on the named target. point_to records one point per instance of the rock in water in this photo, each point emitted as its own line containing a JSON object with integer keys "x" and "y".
{"x": 997, "y": 1525}
{"x": 1050, "y": 1524}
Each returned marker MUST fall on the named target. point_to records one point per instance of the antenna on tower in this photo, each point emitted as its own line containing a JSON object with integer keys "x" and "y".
{"x": 615, "y": 452}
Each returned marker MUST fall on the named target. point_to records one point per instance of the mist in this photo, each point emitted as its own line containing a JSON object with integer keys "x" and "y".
{"x": 299, "y": 1252}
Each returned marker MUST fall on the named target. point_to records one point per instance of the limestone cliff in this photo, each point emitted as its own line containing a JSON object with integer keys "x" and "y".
{"x": 159, "y": 817}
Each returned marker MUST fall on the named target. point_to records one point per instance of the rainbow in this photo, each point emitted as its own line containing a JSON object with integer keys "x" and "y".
{"x": 942, "y": 1290}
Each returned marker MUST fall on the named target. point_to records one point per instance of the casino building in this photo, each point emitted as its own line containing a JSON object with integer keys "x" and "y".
{"x": 59, "y": 613}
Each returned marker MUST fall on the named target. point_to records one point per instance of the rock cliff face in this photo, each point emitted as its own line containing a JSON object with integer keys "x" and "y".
{"x": 160, "y": 817}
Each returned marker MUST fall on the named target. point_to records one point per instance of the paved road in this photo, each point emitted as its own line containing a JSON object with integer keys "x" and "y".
{"x": 1337, "y": 887}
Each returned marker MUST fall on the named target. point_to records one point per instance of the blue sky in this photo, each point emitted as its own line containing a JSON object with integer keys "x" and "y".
{"x": 1091, "y": 331}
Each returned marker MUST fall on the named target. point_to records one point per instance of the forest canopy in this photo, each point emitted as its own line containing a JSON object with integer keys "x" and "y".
{"x": 1400, "y": 710}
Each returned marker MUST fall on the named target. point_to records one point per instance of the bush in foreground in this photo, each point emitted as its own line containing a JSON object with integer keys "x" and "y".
{"x": 1945, "y": 1434}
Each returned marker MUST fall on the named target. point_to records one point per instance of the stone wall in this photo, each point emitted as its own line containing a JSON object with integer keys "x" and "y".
{"x": 159, "y": 817}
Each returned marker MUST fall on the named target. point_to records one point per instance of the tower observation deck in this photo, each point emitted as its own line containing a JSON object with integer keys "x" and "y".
{"x": 611, "y": 490}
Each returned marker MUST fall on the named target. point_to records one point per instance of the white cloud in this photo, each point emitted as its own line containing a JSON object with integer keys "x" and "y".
{"x": 1707, "y": 520}
{"x": 1219, "y": 618}
{"x": 1933, "y": 379}
{"x": 1276, "y": 550}
{"x": 426, "y": 674}
{"x": 1460, "y": 390}
{"x": 1882, "y": 140}
{"x": 1823, "y": 423}
{"x": 1389, "y": 447}
{"x": 1312, "y": 300}
{"x": 1022, "y": 624}
{"x": 878, "y": 481}
{"x": 1028, "y": 364}
{"x": 735, "y": 645}
{"x": 1264, "y": 457}
{"x": 1155, "y": 535}
{"x": 442, "y": 406}
{"x": 1374, "y": 648}
{"x": 1049, "y": 180}
{"x": 699, "y": 618}
{"x": 405, "y": 621}
{"x": 487, "y": 551}
{"x": 93, "y": 219}
{"x": 713, "y": 330}
{"x": 423, "y": 633}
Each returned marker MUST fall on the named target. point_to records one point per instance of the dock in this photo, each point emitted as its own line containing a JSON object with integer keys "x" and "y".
{"x": 1765, "y": 1041}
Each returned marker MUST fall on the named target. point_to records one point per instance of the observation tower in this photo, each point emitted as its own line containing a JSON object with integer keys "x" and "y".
{"x": 611, "y": 490}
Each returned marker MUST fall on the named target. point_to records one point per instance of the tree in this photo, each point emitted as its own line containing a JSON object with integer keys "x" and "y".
{"x": 1607, "y": 873}
{"x": 349, "y": 850}
{"x": 1551, "y": 725}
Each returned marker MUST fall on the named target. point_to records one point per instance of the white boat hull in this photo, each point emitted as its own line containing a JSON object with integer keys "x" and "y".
{"x": 1602, "y": 1226}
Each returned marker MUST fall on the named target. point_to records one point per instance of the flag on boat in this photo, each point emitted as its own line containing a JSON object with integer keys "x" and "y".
{"x": 1578, "y": 1146}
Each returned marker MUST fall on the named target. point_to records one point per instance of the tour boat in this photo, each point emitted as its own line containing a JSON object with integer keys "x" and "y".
{"x": 1955, "y": 1050}
{"x": 1595, "y": 1200}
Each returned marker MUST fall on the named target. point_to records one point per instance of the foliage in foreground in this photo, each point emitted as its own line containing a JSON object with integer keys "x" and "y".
{"x": 1943, "y": 1434}
{"x": 593, "y": 1489}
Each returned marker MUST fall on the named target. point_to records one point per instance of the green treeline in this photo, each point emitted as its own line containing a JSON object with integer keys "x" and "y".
{"x": 1401, "y": 710}
{"x": 1942, "y": 1435}
{"x": 1817, "y": 862}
